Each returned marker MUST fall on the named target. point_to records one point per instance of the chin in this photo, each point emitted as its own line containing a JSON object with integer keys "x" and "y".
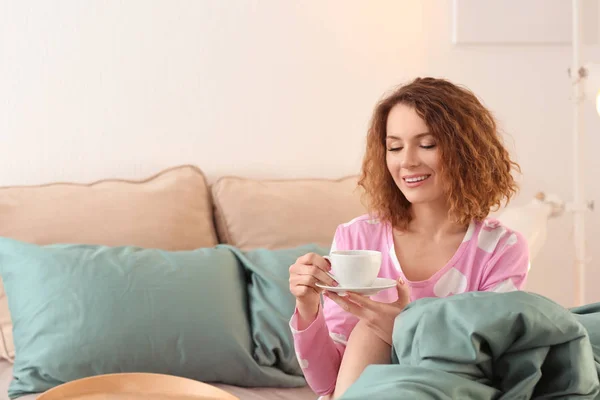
{"x": 414, "y": 198}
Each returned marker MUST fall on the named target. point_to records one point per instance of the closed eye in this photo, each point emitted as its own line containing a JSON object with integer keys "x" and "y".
{"x": 428, "y": 147}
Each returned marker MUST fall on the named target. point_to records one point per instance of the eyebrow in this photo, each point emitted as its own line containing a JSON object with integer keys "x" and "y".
{"x": 420, "y": 135}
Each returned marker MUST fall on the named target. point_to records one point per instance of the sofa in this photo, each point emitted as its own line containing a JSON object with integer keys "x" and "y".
{"x": 133, "y": 241}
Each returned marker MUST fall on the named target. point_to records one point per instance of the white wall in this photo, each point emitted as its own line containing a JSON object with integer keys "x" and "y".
{"x": 265, "y": 88}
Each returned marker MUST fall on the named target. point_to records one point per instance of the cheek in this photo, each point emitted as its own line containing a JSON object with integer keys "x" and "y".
{"x": 434, "y": 161}
{"x": 393, "y": 163}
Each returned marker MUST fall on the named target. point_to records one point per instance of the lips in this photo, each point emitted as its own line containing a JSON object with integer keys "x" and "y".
{"x": 415, "y": 178}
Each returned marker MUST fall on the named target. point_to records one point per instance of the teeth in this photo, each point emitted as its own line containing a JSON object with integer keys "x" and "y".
{"x": 418, "y": 179}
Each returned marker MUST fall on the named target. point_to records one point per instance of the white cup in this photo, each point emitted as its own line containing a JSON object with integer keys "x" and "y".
{"x": 354, "y": 268}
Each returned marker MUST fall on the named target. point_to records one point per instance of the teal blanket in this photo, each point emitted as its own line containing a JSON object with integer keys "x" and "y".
{"x": 485, "y": 345}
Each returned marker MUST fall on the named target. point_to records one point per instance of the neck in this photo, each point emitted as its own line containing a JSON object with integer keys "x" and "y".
{"x": 433, "y": 220}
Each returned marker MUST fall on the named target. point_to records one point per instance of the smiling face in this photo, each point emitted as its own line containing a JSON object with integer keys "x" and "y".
{"x": 413, "y": 156}
{"x": 458, "y": 179}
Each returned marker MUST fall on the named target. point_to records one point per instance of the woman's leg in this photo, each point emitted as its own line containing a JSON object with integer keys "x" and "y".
{"x": 364, "y": 348}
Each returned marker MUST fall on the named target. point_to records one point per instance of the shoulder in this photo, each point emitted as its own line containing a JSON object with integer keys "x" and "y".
{"x": 363, "y": 231}
{"x": 499, "y": 253}
{"x": 502, "y": 254}
{"x": 493, "y": 237}
{"x": 364, "y": 221}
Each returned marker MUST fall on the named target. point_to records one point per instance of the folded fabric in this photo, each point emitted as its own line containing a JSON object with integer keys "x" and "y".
{"x": 483, "y": 345}
{"x": 83, "y": 310}
{"x": 589, "y": 317}
{"x": 271, "y": 303}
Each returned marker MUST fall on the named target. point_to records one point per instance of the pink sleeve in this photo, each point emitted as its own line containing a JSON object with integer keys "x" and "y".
{"x": 321, "y": 345}
{"x": 507, "y": 269}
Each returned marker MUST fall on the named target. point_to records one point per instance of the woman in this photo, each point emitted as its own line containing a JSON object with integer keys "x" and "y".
{"x": 434, "y": 168}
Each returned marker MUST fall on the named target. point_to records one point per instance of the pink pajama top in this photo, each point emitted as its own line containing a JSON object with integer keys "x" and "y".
{"x": 491, "y": 257}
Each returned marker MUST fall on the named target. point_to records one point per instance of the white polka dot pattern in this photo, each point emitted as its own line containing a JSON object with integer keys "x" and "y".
{"x": 452, "y": 282}
{"x": 505, "y": 286}
{"x": 512, "y": 239}
{"x": 338, "y": 337}
{"x": 302, "y": 362}
{"x": 489, "y": 237}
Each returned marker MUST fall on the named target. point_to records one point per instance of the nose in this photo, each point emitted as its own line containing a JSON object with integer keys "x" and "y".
{"x": 410, "y": 158}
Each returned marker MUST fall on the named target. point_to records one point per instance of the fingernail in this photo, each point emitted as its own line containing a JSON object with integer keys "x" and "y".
{"x": 334, "y": 283}
{"x": 401, "y": 281}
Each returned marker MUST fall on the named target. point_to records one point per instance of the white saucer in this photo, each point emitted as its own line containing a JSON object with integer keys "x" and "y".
{"x": 377, "y": 286}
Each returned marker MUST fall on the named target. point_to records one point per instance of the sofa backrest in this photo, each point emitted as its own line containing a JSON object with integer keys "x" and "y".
{"x": 276, "y": 214}
{"x": 173, "y": 210}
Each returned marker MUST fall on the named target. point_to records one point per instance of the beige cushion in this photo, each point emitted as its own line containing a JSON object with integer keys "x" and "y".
{"x": 276, "y": 214}
{"x": 171, "y": 210}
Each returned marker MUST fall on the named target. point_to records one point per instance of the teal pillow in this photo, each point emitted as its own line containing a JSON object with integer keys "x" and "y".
{"x": 271, "y": 304}
{"x": 84, "y": 310}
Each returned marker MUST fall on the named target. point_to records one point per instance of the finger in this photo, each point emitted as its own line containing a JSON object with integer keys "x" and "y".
{"x": 301, "y": 290}
{"x": 319, "y": 275}
{"x": 346, "y": 305}
{"x": 305, "y": 280}
{"x": 312, "y": 270}
{"x": 300, "y": 283}
{"x": 403, "y": 292}
{"x": 364, "y": 301}
{"x": 316, "y": 260}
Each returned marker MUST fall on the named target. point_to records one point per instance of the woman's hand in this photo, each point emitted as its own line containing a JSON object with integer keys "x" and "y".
{"x": 377, "y": 316}
{"x": 304, "y": 274}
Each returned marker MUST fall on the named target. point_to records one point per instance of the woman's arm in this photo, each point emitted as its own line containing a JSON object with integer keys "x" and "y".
{"x": 321, "y": 346}
{"x": 320, "y": 343}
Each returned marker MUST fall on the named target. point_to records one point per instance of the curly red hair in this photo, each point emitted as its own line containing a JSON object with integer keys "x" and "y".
{"x": 475, "y": 167}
